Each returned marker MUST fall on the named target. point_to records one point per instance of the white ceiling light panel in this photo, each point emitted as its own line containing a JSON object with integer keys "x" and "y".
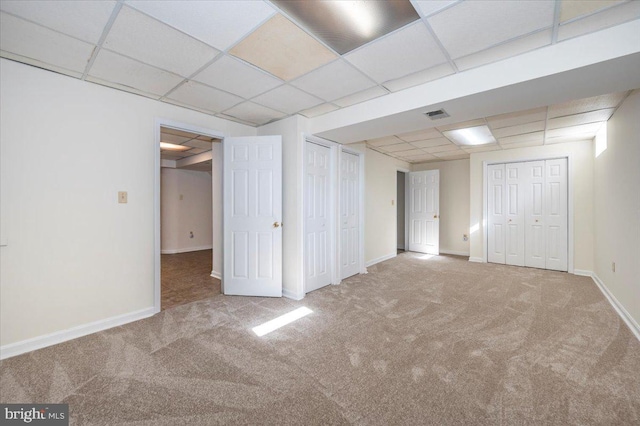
{"x": 136, "y": 35}
{"x": 42, "y": 44}
{"x": 516, "y": 118}
{"x": 365, "y": 95}
{"x": 81, "y": 19}
{"x": 217, "y": 23}
{"x": 254, "y": 113}
{"x": 287, "y": 99}
{"x": 471, "y": 136}
{"x": 412, "y": 46}
{"x": 472, "y": 26}
{"x": 335, "y": 80}
{"x": 584, "y": 118}
{"x": 607, "y": 18}
{"x": 204, "y": 97}
{"x": 419, "y": 77}
{"x": 116, "y": 68}
{"x": 234, "y": 76}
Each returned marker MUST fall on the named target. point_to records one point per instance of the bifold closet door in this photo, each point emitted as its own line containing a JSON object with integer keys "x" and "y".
{"x": 496, "y": 219}
{"x": 534, "y": 214}
{"x": 556, "y": 214}
{"x": 514, "y": 214}
{"x": 349, "y": 214}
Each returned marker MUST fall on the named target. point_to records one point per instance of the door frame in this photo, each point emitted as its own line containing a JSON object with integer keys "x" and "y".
{"x": 157, "y": 237}
{"x": 333, "y": 207}
{"x": 406, "y": 206}
{"x": 485, "y": 206}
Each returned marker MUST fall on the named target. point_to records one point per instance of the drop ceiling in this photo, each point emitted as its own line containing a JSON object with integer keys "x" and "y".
{"x": 197, "y": 144}
{"x": 254, "y": 62}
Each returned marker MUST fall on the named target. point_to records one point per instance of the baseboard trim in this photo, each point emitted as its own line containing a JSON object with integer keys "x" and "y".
{"x": 185, "y": 250}
{"x": 291, "y": 295}
{"x": 622, "y": 312}
{"x": 216, "y": 274}
{"x": 24, "y": 346}
{"x": 381, "y": 259}
{"x": 476, "y": 259}
{"x": 455, "y": 253}
{"x": 582, "y": 273}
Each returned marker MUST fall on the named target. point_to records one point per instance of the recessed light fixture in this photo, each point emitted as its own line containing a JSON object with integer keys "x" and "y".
{"x": 471, "y": 136}
{"x": 173, "y": 147}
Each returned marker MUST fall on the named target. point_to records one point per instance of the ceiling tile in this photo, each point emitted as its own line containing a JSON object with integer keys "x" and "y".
{"x": 607, "y": 18}
{"x": 396, "y": 147}
{"x": 175, "y": 139}
{"x": 365, "y": 95}
{"x": 410, "y": 153}
{"x": 419, "y": 77}
{"x": 204, "y": 97}
{"x": 505, "y": 50}
{"x": 534, "y": 137}
{"x": 573, "y": 138}
{"x": 115, "y": 68}
{"x": 234, "y": 76}
{"x": 287, "y": 99}
{"x": 81, "y": 19}
{"x": 319, "y": 110}
{"x": 198, "y": 144}
{"x": 521, "y": 144}
{"x": 254, "y": 113}
{"x": 218, "y": 23}
{"x": 588, "y": 104}
{"x": 335, "y": 80}
{"x": 591, "y": 129}
{"x": 518, "y": 130}
{"x": 420, "y": 135}
{"x": 387, "y": 140}
{"x": 584, "y": 118}
{"x": 49, "y": 47}
{"x": 442, "y": 148}
{"x": 430, "y": 143}
{"x": 471, "y": 26}
{"x": 283, "y": 49}
{"x": 181, "y": 133}
{"x": 570, "y": 9}
{"x": 516, "y": 118}
{"x": 429, "y": 7}
{"x": 421, "y": 158}
{"x": 452, "y": 155}
{"x": 412, "y": 46}
{"x": 484, "y": 148}
{"x": 123, "y": 87}
{"x": 138, "y": 36}
{"x": 463, "y": 125}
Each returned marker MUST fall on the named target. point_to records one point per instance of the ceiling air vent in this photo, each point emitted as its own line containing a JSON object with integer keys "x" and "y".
{"x": 437, "y": 114}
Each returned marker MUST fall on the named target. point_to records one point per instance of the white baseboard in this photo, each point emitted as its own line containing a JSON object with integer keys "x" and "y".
{"x": 582, "y": 273}
{"x": 185, "y": 250}
{"x": 216, "y": 274}
{"x": 455, "y": 253}
{"x": 40, "y": 342}
{"x": 624, "y": 314}
{"x": 476, "y": 259}
{"x": 381, "y": 259}
{"x": 291, "y": 295}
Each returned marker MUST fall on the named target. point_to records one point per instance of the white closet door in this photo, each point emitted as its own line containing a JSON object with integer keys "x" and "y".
{"x": 514, "y": 214}
{"x": 349, "y": 214}
{"x": 535, "y": 252}
{"x": 555, "y": 202}
{"x": 496, "y": 213}
{"x": 424, "y": 213}
{"x": 317, "y": 223}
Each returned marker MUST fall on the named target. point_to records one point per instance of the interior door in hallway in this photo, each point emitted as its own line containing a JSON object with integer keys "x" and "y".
{"x": 349, "y": 214}
{"x": 252, "y": 171}
{"x": 424, "y": 211}
{"x": 317, "y": 217}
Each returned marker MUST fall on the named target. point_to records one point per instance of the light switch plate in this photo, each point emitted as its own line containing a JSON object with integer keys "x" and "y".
{"x": 122, "y": 197}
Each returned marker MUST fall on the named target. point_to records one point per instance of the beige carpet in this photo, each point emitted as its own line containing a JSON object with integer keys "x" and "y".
{"x": 417, "y": 341}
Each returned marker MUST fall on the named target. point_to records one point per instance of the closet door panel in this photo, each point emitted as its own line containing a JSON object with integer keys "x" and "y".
{"x": 533, "y": 180}
{"x": 514, "y": 241}
{"x": 496, "y": 220}
{"x": 556, "y": 214}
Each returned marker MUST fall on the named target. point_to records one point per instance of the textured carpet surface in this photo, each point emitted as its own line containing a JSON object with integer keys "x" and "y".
{"x": 186, "y": 277}
{"x": 417, "y": 341}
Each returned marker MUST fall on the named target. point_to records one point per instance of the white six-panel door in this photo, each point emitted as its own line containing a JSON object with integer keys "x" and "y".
{"x": 317, "y": 220}
{"x": 424, "y": 213}
{"x": 349, "y": 214}
{"x": 528, "y": 214}
{"x": 252, "y": 216}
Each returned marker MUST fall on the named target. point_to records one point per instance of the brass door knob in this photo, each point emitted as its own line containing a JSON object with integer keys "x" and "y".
{"x": 435, "y": 216}
{"x": 276, "y": 224}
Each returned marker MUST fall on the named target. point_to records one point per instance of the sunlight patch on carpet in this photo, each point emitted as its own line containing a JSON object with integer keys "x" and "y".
{"x": 281, "y": 321}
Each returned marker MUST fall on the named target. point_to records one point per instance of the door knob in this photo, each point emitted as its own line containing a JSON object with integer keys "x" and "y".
{"x": 509, "y": 220}
{"x": 276, "y": 224}
{"x": 435, "y": 216}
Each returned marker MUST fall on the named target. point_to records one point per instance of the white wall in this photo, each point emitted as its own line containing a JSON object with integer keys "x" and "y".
{"x": 400, "y": 208}
{"x": 454, "y": 203}
{"x": 75, "y": 255}
{"x": 617, "y": 207}
{"x": 580, "y": 170}
{"x": 185, "y": 210}
{"x": 380, "y": 213}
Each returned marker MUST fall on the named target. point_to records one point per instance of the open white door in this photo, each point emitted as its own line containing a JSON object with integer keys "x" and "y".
{"x": 424, "y": 211}
{"x": 252, "y": 216}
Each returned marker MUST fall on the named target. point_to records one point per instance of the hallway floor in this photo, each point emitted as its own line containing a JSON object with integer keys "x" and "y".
{"x": 186, "y": 278}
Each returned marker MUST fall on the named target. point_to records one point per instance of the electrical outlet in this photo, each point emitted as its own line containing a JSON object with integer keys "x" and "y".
{"x": 613, "y": 266}
{"x": 122, "y": 197}
{"x": 190, "y": 234}
{"x": 465, "y": 237}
